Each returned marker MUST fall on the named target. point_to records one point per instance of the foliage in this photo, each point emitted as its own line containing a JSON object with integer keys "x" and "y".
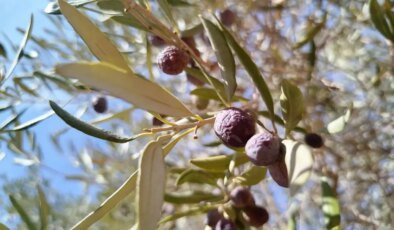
{"x": 298, "y": 67}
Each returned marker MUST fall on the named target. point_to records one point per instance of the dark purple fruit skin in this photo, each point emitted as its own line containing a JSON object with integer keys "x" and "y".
{"x": 225, "y": 224}
{"x": 100, "y": 105}
{"x": 173, "y": 60}
{"x": 314, "y": 140}
{"x": 255, "y": 216}
{"x": 263, "y": 149}
{"x": 278, "y": 172}
{"x": 213, "y": 218}
{"x": 234, "y": 127}
{"x": 241, "y": 197}
{"x": 227, "y": 17}
{"x": 156, "y": 41}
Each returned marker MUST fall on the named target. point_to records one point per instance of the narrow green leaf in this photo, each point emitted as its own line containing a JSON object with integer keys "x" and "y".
{"x": 219, "y": 163}
{"x": 252, "y": 70}
{"x": 224, "y": 56}
{"x": 191, "y": 197}
{"x": 44, "y": 208}
{"x": 53, "y": 7}
{"x": 24, "y": 216}
{"x": 191, "y": 212}
{"x": 198, "y": 176}
{"x": 339, "y": 124}
{"x": 166, "y": 9}
{"x": 123, "y": 191}
{"x": 150, "y": 186}
{"x": 87, "y": 128}
{"x": 129, "y": 20}
{"x": 197, "y": 73}
{"x": 299, "y": 162}
{"x": 330, "y": 205}
{"x": 97, "y": 41}
{"x": 30, "y": 123}
{"x": 211, "y": 94}
{"x": 311, "y": 32}
{"x": 292, "y": 103}
{"x": 252, "y": 176}
{"x": 193, "y": 30}
{"x": 19, "y": 52}
{"x": 379, "y": 20}
{"x": 128, "y": 86}
{"x": 111, "y": 6}
{"x": 13, "y": 118}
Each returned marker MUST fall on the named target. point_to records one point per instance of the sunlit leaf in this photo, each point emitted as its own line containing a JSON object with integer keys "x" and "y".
{"x": 150, "y": 186}
{"x": 19, "y": 52}
{"x": 30, "y": 123}
{"x": 12, "y": 119}
{"x": 219, "y": 163}
{"x": 252, "y": 176}
{"x": 330, "y": 205}
{"x": 97, "y": 41}
{"x": 252, "y": 70}
{"x": 128, "y": 20}
{"x": 191, "y": 197}
{"x": 198, "y": 176}
{"x": 87, "y": 128}
{"x": 292, "y": 103}
{"x": 111, "y": 6}
{"x": 25, "y": 161}
{"x": 299, "y": 162}
{"x": 339, "y": 124}
{"x": 120, "y": 83}
{"x": 190, "y": 32}
{"x": 223, "y": 55}
{"x": 22, "y": 213}
{"x": 179, "y": 3}
{"x": 53, "y": 7}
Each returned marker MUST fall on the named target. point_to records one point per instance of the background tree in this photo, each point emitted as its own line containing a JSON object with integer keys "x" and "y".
{"x": 335, "y": 58}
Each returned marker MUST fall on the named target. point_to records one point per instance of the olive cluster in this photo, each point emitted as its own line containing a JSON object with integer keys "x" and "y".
{"x": 245, "y": 209}
{"x": 236, "y": 129}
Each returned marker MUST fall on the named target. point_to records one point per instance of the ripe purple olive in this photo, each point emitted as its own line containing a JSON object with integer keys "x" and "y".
{"x": 100, "y": 105}
{"x": 227, "y": 17}
{"x": 263, "y": 149}
{"x": 173, "y": 60}
{"x": 314, "y": 140}
{"x": 234, "y": 127}
{"x": 255, "y": 216}
{"x": 213, "y": 217}
{"x": 225, "y": 224}
{"x": 278, "y": 172}
{"x": 241, "y": 197}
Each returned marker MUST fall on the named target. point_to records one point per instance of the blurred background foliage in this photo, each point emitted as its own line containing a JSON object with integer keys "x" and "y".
{"x": 341, "y": 60}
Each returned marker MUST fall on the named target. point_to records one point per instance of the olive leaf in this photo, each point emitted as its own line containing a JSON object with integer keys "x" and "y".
{"x": 53, "y": 7}
{"x": 198, "y": 176}
{"x": 22, "y": 213}
{"x": 252, "y": 176}
{"x": 224, "y": 56}
{"x": 20, "y": 51}
{"x": 219, "y": 163}
{"x": 252, "y": 69}
{"x": 339, "y": 124}
{"x": 166, "y": 9}
{"x": 44, "y": 208}
{"x": 299, "y": 162}
{"x": 191, "y": 197}
{"x": 381, "y": 20}
{"x": 150, "y": 186}
{"x": 88, "y": 128}
{"x": 97, "y": 41}
{"x": 292, "y": 103}
{"x": 330, "y": 205}
{"x": 120, "y": 83}
{"x": 200, "y": 209}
